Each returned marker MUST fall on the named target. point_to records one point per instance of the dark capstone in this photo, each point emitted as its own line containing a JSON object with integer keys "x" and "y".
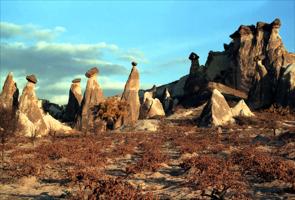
{"x": 133, "y": 63}
{"x": 91, "y": 72}
{"x": 32, "y": 78}
{"x": 276, "y": 23}
{"x": 76, "y": 80}
{"x": 193, "y": 56}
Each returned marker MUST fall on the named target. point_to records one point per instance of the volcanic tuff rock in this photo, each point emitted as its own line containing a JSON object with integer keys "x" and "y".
{"x": 151, "y": 108}
{"x": 167, "y": 102}
{"x": 74, "y": 102}
{"x": 241, "y": 109}
{"x": 216, "y": 112}
{"x": 30, "y": 116}
{"x": 236, "y": 65}
{"x": 130, "y": 95}
{"x": 285, "y": 94}
{"x": 93, "y": 96}
{"x": 9, "y": 94}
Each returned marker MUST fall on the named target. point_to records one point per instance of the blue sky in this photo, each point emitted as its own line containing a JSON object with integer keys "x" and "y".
{"x": 59, "y": 41}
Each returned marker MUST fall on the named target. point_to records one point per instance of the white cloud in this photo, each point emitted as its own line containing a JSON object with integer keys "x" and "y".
{"x": 56, "y": 64}
{"x": 28, "y": 31}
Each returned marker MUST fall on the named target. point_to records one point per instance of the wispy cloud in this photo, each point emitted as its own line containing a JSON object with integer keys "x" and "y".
{"x": 29, "y": 31}
{"x": 55, "y": 63}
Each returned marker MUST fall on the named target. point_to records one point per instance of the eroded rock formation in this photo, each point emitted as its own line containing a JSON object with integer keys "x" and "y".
{"x": 216, "y": 112}
{"x": 74, "y": 102}
{"x": 151, "y": 108}
{"x": 93, "y": 96}
{"x": 30, "y": 118}
{"x": 131, "y": 97}
{"x": 241, "y": 109}
{"x": 9, "y": 94}
{"x": 236, "y": 65}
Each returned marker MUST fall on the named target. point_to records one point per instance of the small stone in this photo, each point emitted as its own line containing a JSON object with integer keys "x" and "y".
{"x": 134, "y": 63}
{"x": 32, "y": 78}
{"x": 91, "y": 72}
{"x": 193, "y": 56}
{"x": 76, "y": 80}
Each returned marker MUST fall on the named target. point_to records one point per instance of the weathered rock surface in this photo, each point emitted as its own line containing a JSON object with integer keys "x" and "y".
{"x": 216, "y": 112}
{"x": 236, "y": 65}
{"x": 55, "y": 126}
{"x": 93, "y": 96}
{"x": 74, "y": 102}
{"x": 131, "y": 97}
{"x": 9, "y": 94}
{"x": 285, "y": 94}
{"x": 151, "y": 125}
{"x": 241, "y": 109}
{"x": 151, "y": 108}
{"x": 30, "y": 117}
{"x": 167, "y": 102}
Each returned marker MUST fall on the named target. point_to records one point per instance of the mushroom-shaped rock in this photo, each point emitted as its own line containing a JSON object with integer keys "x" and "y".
{"x": 32, "y": 78}
{"x": 30, "y": 116}
{"x": 195, "y": 66}
{"x": 91, "y": 72}
{"x": 193, "y": 56}
{"x": 93, "y": 96}
{"x": 216, "y": 112}
{"x": 131, "y": 97}
{"x": 9, "y": 94}
{"x": 151, "y": 108}
{"x": 74, "y": 102}
{"x": 241, "y": 109}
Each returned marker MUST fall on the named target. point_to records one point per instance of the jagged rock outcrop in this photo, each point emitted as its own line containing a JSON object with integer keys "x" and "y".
{"x": 30, "y": 118}
{"x": 9, "y": 94}
{"x": 74, "y": 102}
{"x": 236, "y": 66}
{"x": 151, "y": 108}
{"x": 241, "y": 109}
{"x": 285, "y": 94}
{"x": 93, "y": 96}
{"x": 167, "y": 102}
{"x": 261, "y": 94}
{"x": 131, "y": 97}
{"x": 151, "y": 93}
{"x": 216, "y": 112}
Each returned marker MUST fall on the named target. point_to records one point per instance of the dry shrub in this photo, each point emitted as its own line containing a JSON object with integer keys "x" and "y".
{"x": 208, "y": 171}
{"x": 108, "y": 188}
{"x": 112, "y": 110}
{"x": 151, "y": 155}
{"x": 263, "y": 166}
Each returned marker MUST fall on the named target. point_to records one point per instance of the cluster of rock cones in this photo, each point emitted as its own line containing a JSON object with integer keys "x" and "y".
{"x": 255, "y": 68}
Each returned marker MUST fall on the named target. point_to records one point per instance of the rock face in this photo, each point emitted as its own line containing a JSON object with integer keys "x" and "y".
{"x": 131, "y": 97}
{"x": 236, "y": 65}
{"x": 216, "y": 112}
{"x": 74, "y": 102}
{"x": 30, "y": 116}
{"x": 9, "y": 94}
{"x": 241, "y": 109}
{"x": 151, "y": 108}
{"x": 167, "y": 102}
{"x": 93, "y": 96}
{"x": 285, "y": 94}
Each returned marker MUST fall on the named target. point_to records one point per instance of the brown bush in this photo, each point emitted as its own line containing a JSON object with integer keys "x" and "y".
{"x": 263, "y": 166}
{"x": 112, "y": 110}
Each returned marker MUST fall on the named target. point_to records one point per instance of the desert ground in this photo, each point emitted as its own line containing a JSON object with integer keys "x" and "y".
{"x": 251, "y": 159}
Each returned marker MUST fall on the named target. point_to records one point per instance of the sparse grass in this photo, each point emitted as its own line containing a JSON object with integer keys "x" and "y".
{"x": 219, "y": 162}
